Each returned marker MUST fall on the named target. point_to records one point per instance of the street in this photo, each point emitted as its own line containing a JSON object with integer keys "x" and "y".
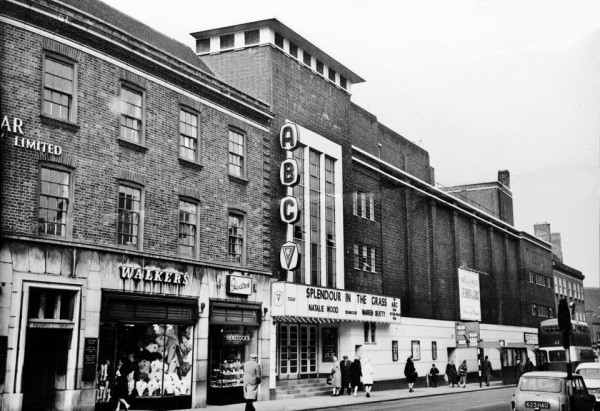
{"x": 489, "y": 400}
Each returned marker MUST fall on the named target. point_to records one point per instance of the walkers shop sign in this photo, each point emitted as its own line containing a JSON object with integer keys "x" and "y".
{"x": 289, "y": 300}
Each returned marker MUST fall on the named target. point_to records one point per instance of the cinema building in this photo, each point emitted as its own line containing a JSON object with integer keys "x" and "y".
{"x": 374, "y": 259}
{"x": 134, "y": 193}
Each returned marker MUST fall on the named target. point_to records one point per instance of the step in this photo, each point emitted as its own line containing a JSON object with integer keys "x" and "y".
{"x": 303, "y": 395}
{"x": 301, "y": 390}
{"x": 305, "y": 381}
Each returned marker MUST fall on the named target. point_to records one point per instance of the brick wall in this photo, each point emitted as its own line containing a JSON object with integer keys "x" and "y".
{"x": 99, "y": 156}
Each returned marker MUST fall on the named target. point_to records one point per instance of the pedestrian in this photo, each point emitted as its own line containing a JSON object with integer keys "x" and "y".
{"x": 336, "y": 377}
{"x": 451, "y": 373}
{"x": 433, "y": 376}
{"x": 355, "y": 375}
{"x": 520, "y": 369}
{"x": 122, "y": 394}
{"x": 345, "y": 369}
{"x": 252, "y": 378}
{"x": 462, "y": 373}
{"x": 486, "y": 368}
{"x": 409, "y": 373}
{"x": 367, "y": 376}
{"x": 529, "y": 365}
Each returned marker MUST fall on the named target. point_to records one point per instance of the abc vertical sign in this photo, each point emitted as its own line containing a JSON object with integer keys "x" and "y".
{"x": 289, "y": 210}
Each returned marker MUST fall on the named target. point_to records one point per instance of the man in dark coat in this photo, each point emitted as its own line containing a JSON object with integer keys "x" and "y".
{"x": 520, "y": 369}
{"x": 409, "y": 373}
{"x": 346, "y": 375}
{"x": 486, "y": 369}
{"x": 433, "y": 375}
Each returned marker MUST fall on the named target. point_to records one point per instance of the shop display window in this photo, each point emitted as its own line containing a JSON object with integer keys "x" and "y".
{"x": 159, "y": 354}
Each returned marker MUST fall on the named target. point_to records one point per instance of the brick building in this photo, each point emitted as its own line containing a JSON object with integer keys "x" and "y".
{"x": 592, "y": 313}
{"x": 461, "y": 275}
{"x": 135, "y": 200}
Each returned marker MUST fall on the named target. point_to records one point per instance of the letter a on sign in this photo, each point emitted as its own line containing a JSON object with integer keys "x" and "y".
{"x": 289, "y": 136}
{"x": 289, "y": 256}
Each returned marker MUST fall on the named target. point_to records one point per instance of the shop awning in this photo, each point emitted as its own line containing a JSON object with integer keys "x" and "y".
{"x": 136, "y": 308}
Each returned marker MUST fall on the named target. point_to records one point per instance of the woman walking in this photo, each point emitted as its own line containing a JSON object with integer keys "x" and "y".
{"x": 462, "y": 373}
{"x": 355, "y": 374}
{"x": 367, "y": 372}
{"x": 451, "y": 373}
{"x": 409, "y": 373}
{"x": 336, "y": 377}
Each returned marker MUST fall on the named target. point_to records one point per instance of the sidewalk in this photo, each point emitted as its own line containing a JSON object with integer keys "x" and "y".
{"x": 322, "y": 401}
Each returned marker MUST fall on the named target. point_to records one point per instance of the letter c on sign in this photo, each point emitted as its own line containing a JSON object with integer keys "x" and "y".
{"x": 289, "y": 211}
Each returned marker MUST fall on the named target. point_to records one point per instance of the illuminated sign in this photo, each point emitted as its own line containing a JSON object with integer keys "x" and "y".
{"x": 289, "y": 211}
{"x": 289, "y": 137}
{"x": 239, "y": 285}
{"x": 298, "y": 300}
{"x": 288, "y": 173}
{"x": 289, "y": 256}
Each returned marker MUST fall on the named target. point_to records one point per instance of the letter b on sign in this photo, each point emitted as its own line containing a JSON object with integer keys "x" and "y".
{"x": 288, "y": 173}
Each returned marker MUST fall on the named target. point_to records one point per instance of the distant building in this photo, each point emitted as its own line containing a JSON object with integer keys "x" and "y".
{"x": 495, "y": 198}
{"x": 592, "y": 313}
{"x": 542, "y": 230}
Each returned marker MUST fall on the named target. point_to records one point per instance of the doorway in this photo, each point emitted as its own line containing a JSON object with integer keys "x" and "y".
{"x": 46, "y": 353}
{"x": 297, "y": 351}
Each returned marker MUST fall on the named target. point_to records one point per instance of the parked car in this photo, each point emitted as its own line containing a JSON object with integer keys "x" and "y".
{"x": 590, "y": 371}
{"x": 550, "y": 390}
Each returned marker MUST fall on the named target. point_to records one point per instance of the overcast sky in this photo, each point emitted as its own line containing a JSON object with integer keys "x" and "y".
{"x": 482, "y": 85}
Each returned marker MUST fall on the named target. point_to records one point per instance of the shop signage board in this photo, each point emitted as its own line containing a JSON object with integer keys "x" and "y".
{"x": 239, "y": 285}
{"x": 467, "y": 333}
{"x": 153, "y": 276}
{"x": 299, "y": 300}
{"x": 90, "y": 353}
{"x": 470, "y": 295}
{"x": 531, "y": 338}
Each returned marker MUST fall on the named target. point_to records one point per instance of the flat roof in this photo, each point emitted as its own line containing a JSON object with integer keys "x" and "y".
{"x": 289, "y": 34}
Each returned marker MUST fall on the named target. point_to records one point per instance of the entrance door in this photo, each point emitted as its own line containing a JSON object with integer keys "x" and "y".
{"x": 45, "y": 359}
{"x": 288, "y": 351}
{"x": 297, "y": 350}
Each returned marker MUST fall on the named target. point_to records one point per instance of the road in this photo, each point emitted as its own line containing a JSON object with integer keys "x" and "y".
{"x": 492, "y": 400}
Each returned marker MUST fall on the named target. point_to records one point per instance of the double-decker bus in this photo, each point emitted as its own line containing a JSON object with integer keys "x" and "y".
{"x": 551, "y": 348}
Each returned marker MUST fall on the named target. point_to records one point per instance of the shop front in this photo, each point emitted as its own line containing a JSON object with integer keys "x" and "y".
{"x": 154, "y": 336}
{"x": 233, "y": 336}
{"x": 308, "y": 329}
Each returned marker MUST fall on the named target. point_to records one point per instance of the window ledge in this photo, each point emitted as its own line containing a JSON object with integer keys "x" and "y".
{"x": 237, "y": 179}
{"x": 59, "y": 123}
{"x": 190, "y": 163}
{"x": 132, "y": 145}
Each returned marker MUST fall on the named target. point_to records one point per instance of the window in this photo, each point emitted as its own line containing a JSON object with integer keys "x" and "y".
{"x": 531, "y": 277}
{"x": 236, "y": 153}
{"x": 131, "y": 115}
{"x": 343, "y": 82}
{"x": 251, "y": 37}
{"x": 363, "y": 205}
{"x": 188, "y": 135}
{"x": 569, "y": 288}
{"x": 533, "y": 309}
{"x": 315, "y": 216}
{"x": 331, "y": 74}
{"x": 371, "y": 207}
{"x": 364, "y": 257}
{"x": 203, "y": 46}
{"x": 130, "y": 205}
{"x": 330, "y": 221}
{"x": 187, "y": 228}
{"x": 293, "y": 50}
{"x": 319, "y": 67}
{"x": 279, "y": 40}
{"x": 236, "y": 239}
{"x": 307, "y": 58}
{"x": 226, "y": 41}
{"x": 369, "y": 331}
{"x": 556, "y": 284}
{"x": 59, "y": 89}
{"x": 299, "y": 233}
{"x": 54, "y": 202}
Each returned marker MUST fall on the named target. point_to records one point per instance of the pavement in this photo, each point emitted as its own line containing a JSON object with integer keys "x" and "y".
{"x": 326, "y": 401}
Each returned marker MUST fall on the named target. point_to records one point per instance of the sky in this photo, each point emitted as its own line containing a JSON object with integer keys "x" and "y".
{"x": 481, "y": 85}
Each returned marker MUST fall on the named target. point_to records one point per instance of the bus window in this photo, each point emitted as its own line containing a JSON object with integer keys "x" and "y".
{"x": 557, "y": 356}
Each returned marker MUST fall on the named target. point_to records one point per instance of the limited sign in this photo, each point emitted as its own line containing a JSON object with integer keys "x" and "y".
{"x": 16, "y": 127}
{"x": 239, "y": 285}
{"x": 470, "y": 296}
{"x": 298, "y": 300}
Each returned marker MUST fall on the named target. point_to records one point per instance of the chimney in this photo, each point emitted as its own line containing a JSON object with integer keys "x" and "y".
{"x": 542, "y": 230}
{"x": 504, "y": 178}
{"x": 556, "y": 245}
